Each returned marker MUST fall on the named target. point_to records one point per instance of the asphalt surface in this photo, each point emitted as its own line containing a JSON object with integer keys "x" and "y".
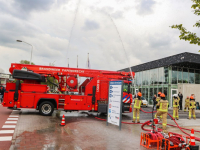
{"x": 82, "y": 131}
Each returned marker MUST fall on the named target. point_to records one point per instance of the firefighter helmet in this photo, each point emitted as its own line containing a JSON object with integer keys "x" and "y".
{"x": 191, "y": 97}
{"x": 159, "y": 93}
{"x": 162, "y": 95}
{"x": 139, "y": 94}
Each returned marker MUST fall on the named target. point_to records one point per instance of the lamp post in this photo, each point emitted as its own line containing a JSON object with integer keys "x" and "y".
{"x": 31, "y": 48}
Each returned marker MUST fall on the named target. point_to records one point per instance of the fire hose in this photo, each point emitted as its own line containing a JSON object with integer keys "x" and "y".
{"x": 198, "y": 139}
{"x": 159, "y": 130}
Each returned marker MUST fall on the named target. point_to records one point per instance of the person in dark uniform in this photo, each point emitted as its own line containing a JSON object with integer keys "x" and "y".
{"x": 180, "y": 95}
{"x": 154, "y": 101}
{"x": 2, "y": 93}
{"x": 1, "y": 99}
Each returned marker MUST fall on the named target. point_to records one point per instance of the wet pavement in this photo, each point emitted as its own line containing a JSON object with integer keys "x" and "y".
{"x": 82, "y": 132}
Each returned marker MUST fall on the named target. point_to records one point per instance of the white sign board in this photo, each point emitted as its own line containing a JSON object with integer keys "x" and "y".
{"x": 4, "y": 76}
{"x": 115, "y": 103}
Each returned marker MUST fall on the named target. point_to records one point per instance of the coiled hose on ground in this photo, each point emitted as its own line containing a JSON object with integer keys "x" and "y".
{"x": 159, "y": 130}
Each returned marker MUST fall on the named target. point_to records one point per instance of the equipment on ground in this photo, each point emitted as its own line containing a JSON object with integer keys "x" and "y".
{"x": 91, "y": 95}
{"x": 156, "y": 139}
{"x": 197, "y": 106}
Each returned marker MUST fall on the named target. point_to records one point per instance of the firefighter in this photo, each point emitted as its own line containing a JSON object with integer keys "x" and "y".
{"x": 192, "y": 107}
{"x": 157, "y": 100}
{"x": 163, "y": 109}
{"x": 136, "y": 107}
{"x": 158, "y": 97}
{"x": 175, "y": 106}
{"x": 187, "y": 103}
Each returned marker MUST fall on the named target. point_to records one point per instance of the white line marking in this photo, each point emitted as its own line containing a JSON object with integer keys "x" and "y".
{"x": 9, "y": 126}
{"x": 15, "y": 113}
{"x": 13, "y": 116}
{"x": 15, "y": 110}
{"x": 6, "y": 131}
{"x": 6, "y": 138}
{"x": 12, "y": 119}
{"x": 11, "y": 122}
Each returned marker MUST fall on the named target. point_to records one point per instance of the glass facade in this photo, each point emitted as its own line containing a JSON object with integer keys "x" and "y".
{"x": 164, "y": 79}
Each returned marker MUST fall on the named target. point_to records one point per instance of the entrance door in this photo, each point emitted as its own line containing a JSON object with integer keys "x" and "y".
{"x": 173, "y": 91}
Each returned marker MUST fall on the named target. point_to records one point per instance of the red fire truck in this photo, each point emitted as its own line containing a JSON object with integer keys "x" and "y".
{"x": 92, "y": 94}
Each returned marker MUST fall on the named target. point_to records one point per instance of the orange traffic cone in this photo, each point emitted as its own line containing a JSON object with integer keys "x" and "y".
{"x": 63, "y": 121}
{"x": 193, "y": 146}
{"x": 192, "y": 139}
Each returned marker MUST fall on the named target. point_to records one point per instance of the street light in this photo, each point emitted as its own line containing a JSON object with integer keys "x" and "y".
{"x": 31, "y": 48}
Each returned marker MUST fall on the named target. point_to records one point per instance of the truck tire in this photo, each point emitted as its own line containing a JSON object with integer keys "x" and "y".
{"x": 46, "y": 108}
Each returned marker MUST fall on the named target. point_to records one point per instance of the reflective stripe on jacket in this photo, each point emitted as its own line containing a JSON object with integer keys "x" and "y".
{"x": 137, "y": 103}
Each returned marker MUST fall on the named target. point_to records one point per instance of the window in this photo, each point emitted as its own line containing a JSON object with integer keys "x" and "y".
{"x": 147, "y": 77}
{"x": 160, "y": 75}
{"x": 185, "y": 75}
{"x": 160, "y": 89}
{"x": 125, "y": 87}
{"x": 191, "y": 75}
{"x": 151, "y": 72}
{"x": 151, "y": 94}
{"x": 197, "y": 76}
{"x": 140, "y": 79}
{"x": 155, "y": 90}
{"x": 180, "y": 78}
{"x": 174, "y": 75}
{"x": 166, "y": 75}
{"x": 144, "y": 77}
{"x": 165, "y": 91}
{"x": 136, "y": 79}
{"x": 155, "y": 76}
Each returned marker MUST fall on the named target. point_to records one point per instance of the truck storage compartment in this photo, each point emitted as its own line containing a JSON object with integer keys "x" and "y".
{"x": 10, "y": 86}
{"x": 76, "y": 102}
{"x": 8, "y": 100}
{"x": 27, "y": 100}
{"x": 33, "y": 88}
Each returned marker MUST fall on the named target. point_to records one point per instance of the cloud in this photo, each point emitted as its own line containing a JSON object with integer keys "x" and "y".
{"x": 47, "y": 28}
{"x": 117, "y": 14}
{"x": 27, "y": 6}
{"x": 91, "y": 25}
{"x": 145, "y": 7}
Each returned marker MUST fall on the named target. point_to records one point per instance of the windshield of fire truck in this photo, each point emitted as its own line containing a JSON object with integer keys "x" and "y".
{"x": 125, "y": 87}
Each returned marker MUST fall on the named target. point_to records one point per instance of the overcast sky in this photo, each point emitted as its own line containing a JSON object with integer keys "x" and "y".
{"x": 143, "y": 26}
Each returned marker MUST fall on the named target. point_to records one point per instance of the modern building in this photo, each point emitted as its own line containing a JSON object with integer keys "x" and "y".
{"x": 170, "y": 75}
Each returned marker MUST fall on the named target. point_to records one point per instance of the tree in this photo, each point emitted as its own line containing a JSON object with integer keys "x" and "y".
{"x": 187, "y": 35}
{"x": 49, "y": 82}
{"x": 26, "y": 62}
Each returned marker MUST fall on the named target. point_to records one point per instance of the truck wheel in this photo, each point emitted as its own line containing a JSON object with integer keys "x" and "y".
{"x": 46, "y": 108}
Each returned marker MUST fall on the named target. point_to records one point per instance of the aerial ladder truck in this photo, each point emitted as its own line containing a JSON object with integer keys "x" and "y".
{"x": 91, "y": 95}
